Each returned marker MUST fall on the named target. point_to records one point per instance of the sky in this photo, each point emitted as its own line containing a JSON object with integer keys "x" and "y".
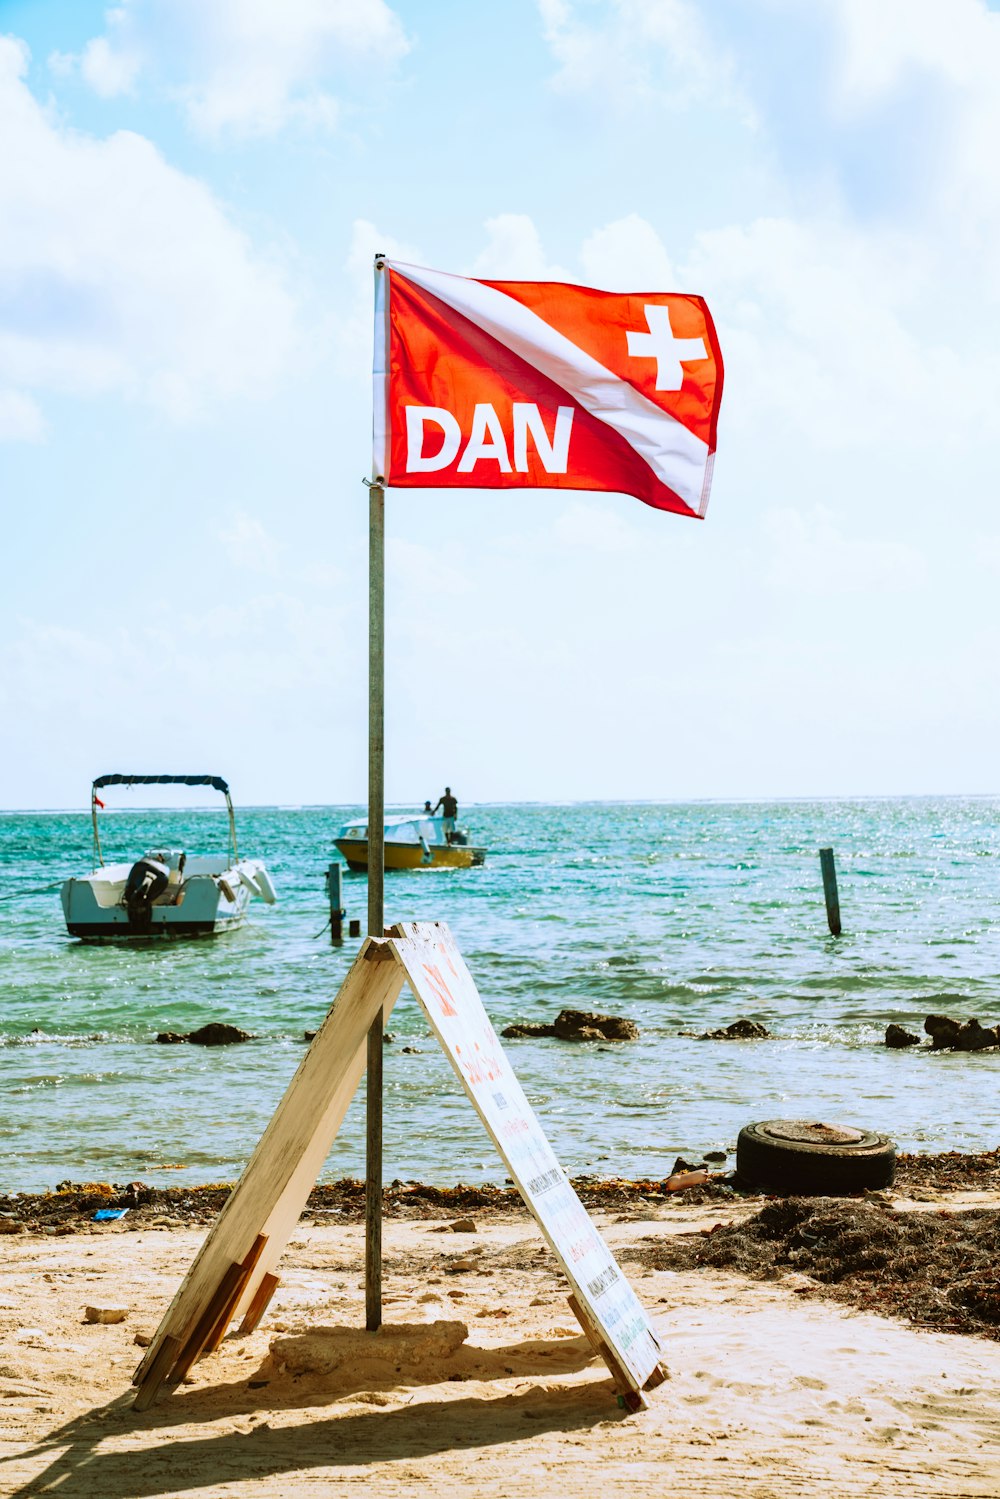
{"x": 191, "y": 195}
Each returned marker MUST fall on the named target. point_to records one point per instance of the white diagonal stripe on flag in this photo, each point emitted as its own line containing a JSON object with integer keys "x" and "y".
{"x": 676, "y": 456}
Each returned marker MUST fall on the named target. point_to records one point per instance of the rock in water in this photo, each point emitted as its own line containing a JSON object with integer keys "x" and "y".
{"x": 213, "y": 1034}
{"x": 975, "y": 1037}
{"x": 942, "y": 1030}
{"x": 681, "y": 1165}
{"x": 896, "y": 1036}
{"x": 577, "y": 1025}
{"x": 949, "y": 1035}
{"x": 218, "y": 1034}
{"x": 739, "y": 1030}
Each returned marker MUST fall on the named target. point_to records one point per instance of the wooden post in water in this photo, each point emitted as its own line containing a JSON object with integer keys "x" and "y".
{"x": 376, "y": 912}
{"x": 335, "y": 894}
{"x": 829, "y": 870}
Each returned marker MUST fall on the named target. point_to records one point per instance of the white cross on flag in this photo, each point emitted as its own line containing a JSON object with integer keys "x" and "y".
{"x": 539, "y": 384}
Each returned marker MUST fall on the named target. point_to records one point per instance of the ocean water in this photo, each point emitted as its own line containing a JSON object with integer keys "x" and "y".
{"x": 682, "y": 917}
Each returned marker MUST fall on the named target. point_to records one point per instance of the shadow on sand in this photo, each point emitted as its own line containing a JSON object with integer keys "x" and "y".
{"x": 394, "y": 1430}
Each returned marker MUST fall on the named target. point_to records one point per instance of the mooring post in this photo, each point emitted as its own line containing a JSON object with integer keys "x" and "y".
{"x": 376, "y": 913}
{"x": 829, "y": 869}
{"x": 335, "y": 894}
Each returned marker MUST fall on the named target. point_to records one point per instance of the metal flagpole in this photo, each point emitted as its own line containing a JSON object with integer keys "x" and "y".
{"x": 376, "y": 880}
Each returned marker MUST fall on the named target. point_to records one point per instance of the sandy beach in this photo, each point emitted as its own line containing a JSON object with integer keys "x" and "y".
{"x": 480, "y": 1381}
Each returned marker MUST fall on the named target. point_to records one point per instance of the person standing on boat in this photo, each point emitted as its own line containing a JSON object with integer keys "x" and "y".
{"x": 449, "y": 810}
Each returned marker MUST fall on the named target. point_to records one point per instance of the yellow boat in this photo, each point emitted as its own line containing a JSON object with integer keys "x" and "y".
{"x": 411, "y": 843}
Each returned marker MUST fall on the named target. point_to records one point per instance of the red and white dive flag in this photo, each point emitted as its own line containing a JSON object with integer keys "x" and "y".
{"x": 537, "y": 384}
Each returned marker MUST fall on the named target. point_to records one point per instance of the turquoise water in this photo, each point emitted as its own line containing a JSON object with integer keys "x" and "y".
{"x": 681, "y": 917}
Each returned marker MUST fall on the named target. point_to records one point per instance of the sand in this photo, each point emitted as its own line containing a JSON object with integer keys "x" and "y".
{"x": 480, "y": 1383}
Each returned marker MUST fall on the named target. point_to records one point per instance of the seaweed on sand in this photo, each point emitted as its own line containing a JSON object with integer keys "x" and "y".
{"x": 937, "y": 1268}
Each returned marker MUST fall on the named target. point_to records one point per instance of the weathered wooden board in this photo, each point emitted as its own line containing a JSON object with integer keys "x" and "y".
{"x": 234, "y": 1269}
{"x": 269, "y": 1197}
{"x": 447, "y": 993}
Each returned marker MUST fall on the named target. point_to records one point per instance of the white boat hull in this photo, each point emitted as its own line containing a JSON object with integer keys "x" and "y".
{"x": 206, "y": 903}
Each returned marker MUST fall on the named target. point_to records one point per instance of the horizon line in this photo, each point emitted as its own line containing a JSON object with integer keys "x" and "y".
{"x": 597, "y": 801}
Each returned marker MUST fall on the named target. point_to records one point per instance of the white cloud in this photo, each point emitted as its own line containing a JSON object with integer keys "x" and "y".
{"x": 988, "y": 554}
{"x": 119, "y": 273}
{"x": 245, "y": 67}
{"x": 153, "y": 670}
{"x": 832, "y": 332}
{"x": 254, "y": 668}
{"x": 590, "y": 526}
{"x": 108, "y": 72}
{"x": 883, "y": 40}
{"x": 413, "y": 567}
{"x": 951, "y": 54}
{"x": 514, "y": 252}
{"x": 63, "y": 64}
{"x": 20, "y": 418}
{"x": 627, "y": 255}
{"x": 109, "y": 64}
{"x": 249, "y": 545}
{"x": 619, "y": 256}
{"x": 633, "y": 52}
{"x": 367, "y": 241}
{"x": 808, "y": 552}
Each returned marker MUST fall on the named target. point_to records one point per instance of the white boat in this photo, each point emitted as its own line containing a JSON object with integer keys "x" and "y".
{"x": 411, "y": 842}
{"x": 167, "y": 892}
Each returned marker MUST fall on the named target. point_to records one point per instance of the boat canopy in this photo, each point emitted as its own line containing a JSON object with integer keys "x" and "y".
{"x": 216, "y": 782}
{"x": 117, "y": 780}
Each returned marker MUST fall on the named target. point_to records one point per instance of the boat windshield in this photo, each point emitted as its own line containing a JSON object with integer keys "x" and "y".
{"x": 399, "y": 830}
{"x": 402, "y": 832}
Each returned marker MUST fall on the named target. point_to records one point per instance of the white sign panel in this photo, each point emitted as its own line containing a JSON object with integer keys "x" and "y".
{"x": 448, "y": 995}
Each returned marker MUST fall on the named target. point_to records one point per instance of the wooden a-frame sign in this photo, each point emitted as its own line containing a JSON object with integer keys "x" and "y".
{"x": 234, "y": 1271}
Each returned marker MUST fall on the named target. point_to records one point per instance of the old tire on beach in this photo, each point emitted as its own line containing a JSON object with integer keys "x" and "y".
{"x": 796, "y": 1157}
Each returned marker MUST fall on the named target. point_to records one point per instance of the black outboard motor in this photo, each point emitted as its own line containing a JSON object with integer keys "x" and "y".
{"x": 147, "y": 879}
